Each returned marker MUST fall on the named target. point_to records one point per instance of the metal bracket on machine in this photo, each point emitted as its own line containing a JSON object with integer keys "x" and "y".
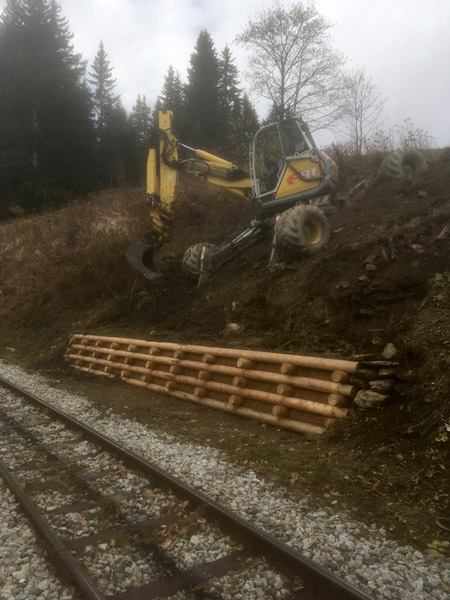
{"x": 203, "y": 269}
{"x": 273, "y": 259}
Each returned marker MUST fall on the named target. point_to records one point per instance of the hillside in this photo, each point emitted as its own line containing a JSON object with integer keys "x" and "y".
{"x": 384, "y": 278}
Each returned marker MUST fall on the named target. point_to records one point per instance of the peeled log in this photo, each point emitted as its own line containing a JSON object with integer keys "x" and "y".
{"x": 280, "y": 411}
{"x": 240, "y": 381}
{"x": 237, "y": 410}
{"x": 208, "y": 358}
{"x": 207, "y": 364}
{"x": 204, "y": 375}
{"x": 285, "y": 390}
{"x": 314, "y": 362}
{"x": 297, "y": 403}
{"x": 245, "y": 363}
{"x": 338, "y": 400}
{"x": 288, "y": 369}
{"x": 235, "y": 400}
{"x": 339, "y": 377}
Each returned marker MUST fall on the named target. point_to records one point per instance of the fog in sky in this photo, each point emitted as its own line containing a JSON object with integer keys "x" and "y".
{"x": 403, "y": 46}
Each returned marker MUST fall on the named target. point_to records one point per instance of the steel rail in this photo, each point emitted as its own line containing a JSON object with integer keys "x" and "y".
{"x": 54, "y": 544}
{"x": 265, "y": 544}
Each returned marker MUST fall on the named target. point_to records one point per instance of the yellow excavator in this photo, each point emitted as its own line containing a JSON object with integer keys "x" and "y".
{"x": 294, "y": 183}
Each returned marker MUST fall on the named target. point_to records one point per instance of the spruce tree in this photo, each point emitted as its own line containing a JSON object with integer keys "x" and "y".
{"x": 202, "y": 93}
{"x": 46, "y": 133}
{"x": 229, "y": 93}
{"x": 113, "y": 129}
{"x": 103, "y": 83}
{"x": 248, "y": 121}
{"x": 116, "y": 149}
{"x": 172, "y": 94}
{"x": 141, "y": 123}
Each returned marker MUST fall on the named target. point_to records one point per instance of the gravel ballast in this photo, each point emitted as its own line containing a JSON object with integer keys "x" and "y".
{"x": 358, "y": 552}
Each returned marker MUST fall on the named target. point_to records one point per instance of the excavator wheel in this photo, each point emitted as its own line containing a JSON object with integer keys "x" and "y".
{"x": 191, "y": 263}
{"x": 302, "y": 230}
{"x": 403, "y": 163}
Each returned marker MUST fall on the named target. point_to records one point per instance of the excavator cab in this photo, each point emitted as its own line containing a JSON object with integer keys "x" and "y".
{"x": 286, "y": 166}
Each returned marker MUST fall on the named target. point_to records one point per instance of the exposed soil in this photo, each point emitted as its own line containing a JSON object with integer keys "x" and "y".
{"x": 384, "y": 277}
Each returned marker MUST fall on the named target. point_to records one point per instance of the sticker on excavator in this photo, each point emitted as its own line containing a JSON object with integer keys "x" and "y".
{"x": 305, "y": 174}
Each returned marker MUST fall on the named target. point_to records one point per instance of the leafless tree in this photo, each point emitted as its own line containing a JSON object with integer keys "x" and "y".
{"x": 361, "y": 111}
{"x": 293, "y": 63}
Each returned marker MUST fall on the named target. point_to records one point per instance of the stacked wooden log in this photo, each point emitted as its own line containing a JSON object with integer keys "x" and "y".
{"x": 300, "y": 393}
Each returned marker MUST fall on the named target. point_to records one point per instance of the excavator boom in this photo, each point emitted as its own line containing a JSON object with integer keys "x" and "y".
{"x": 163, "y": 174}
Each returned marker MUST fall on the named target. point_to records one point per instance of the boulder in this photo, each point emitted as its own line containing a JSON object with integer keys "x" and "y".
{"x": 370, "y": 399}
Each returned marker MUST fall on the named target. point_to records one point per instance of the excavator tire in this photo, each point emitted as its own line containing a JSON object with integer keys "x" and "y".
{"x": 302, "y": 230}
{"x": 191, "y": 263}
{"x": 403, "y": 163}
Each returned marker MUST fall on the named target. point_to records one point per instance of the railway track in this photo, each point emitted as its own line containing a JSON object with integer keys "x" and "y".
{"x": 119, "y": 527}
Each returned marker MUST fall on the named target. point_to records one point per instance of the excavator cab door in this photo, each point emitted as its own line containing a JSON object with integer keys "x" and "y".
{"x": 282, "y": 153}
{"x": 267, "y": 161}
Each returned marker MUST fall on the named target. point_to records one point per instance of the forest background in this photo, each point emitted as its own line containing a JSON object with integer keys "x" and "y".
{"x": 64, "y": 131}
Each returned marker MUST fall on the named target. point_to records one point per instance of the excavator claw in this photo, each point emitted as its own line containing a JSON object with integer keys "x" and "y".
{"x": 140, "y": 256}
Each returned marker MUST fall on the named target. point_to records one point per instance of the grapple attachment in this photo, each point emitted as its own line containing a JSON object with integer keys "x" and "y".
{"x": 140, "y": 256}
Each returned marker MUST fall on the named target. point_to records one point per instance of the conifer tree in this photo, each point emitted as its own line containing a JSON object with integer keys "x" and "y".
{"x": 249, "y": 121}
{"x": 202, "y": 93}
{"x": 116, "y": 149}
{"x": 46, "y": 134}
{"x": 172, "y": 98}
{"x": 229, "y": 93}
{"x": 172, "y": 94}
{"x": 113, "y": 129}
{"x": 141, "y": 123}
{"x": 103, "y": 83}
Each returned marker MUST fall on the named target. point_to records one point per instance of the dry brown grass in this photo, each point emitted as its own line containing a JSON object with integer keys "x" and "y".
{"x": 59, "y": 265}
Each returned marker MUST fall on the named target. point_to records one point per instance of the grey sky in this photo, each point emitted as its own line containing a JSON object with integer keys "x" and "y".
{"x": 403, "y": 45}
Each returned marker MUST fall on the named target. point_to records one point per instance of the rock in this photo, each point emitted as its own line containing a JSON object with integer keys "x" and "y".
{"x": 367, "y": 312}
{"x": 367, "y": 374}
{"x": 387, "y": 373}
{"x": 407, "y": 375}
{"x": 383, "y": 386}
{"x": 370, "y": 399}
{"x": 371, "y": 267}
{"x": 359, "y": 383}
{"x": 364, "y": 279}
{"x": 364, "y": 357}
{"x": 422, "y": 194}
{"x": 232, "y": 329}
{"x": 380, "y": 363}
{"x": 390, "y": 351}
{"x": 434, "y": 553}
{"x": 418, "y": 248}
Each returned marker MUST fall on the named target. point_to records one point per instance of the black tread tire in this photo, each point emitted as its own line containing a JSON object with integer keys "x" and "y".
{"x": 403, "y": 163}
{"x": 191, "y": 260}
{"x": 302, "y": 230}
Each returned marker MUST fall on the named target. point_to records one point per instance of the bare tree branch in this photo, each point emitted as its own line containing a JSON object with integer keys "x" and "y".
{"x": 293, "y": 64}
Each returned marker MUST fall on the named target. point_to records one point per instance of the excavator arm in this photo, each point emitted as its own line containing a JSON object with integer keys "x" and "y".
{"x": 163, "y": 173}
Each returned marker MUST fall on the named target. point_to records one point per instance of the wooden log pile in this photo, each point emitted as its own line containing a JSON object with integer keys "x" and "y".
{"x": 300, "y": 393}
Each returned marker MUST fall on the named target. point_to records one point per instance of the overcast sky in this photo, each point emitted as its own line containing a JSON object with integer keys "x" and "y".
{"x": 403, "y": 45}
